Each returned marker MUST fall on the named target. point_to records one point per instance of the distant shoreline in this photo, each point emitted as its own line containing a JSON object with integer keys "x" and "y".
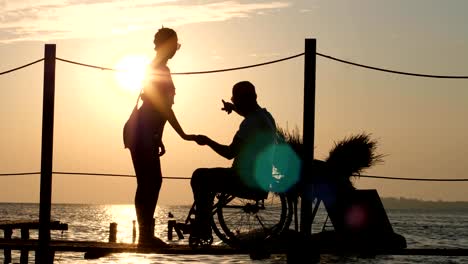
{"x": 388, "y": 202}
{"x": 408, "y": 203}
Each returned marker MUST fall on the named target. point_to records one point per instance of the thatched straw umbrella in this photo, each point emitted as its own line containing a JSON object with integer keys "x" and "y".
{"x": 347, "y": 159}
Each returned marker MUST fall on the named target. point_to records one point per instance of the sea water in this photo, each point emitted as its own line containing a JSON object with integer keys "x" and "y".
{"x": 422, "y": 228}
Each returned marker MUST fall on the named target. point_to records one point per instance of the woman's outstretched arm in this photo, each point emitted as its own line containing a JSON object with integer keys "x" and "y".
{"x": 171, "y": 117}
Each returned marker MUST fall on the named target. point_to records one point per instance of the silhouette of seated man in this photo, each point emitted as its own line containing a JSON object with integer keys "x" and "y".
{"x": 256, "y": 132}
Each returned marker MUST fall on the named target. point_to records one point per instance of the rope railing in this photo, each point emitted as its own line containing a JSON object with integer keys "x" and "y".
{"x": 19, "y": 173}
{"x": 191, "y": 73}
{"x": 414, "y": 179}
{"x": 262, "y": 64}
{"x": 87, "y": 65}
{"x": 112, "y": 175}
{"x": 21, "y": 67}
{"x": 288, "y": 58}
{"x": 393, "y": 71}
{"x": 84, "y": 174}
{"x": 186, "y": 178}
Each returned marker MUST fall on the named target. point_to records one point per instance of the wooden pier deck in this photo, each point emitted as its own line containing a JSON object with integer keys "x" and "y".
{"x": 93, "y": 247}
{"x": 24, "y": 227}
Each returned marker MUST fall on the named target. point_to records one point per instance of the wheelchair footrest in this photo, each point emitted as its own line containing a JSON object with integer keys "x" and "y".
{"x": 179, "y": 228}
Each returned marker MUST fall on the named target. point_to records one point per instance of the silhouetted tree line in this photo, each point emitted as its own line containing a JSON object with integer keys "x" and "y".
{"x": 411, "y": 203}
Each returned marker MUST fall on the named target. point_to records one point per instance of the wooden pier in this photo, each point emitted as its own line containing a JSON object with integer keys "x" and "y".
{"x": 25, "y": 227}
{"x": 95, "y": 250}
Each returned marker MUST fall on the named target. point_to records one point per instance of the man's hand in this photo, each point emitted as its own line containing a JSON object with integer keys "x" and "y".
{"x": 202, "y": 140}
{"x": 228, "y": 107}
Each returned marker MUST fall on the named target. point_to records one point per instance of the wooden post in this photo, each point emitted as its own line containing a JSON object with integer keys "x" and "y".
{"x": 44, "y": 252}
{"x": 170, "y": 228}
{"x": 308, "y": 133}
{"x": 7, "y": 232}
{"x": 24, "y": 256}
{"x": 134, "y": 232}
{"x": 113, "y": 232}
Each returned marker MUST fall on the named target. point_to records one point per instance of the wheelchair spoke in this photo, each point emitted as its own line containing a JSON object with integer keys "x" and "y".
{"x": 244, "y": 221}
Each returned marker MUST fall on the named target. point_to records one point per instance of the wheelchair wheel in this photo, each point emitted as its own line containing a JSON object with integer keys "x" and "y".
{"x": 241, "y": 222}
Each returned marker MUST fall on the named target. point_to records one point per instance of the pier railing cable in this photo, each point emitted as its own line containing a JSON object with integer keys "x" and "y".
{"x": 261, "y": 64}
{"x": 288, "y": 58}
{"x": 393, "y": 71}
{"x": 242, "y": 67}
{"x": 112, "y": 175}
{"x": 87, "y": 65}
{"x": 414, "y": 179}
{"x": 85, "y": 174}
{"x": 186, "y": 178}
{"x": 19, "y": 173}
{"x": 191, "y": 73}
{"x": 21, "y": 67}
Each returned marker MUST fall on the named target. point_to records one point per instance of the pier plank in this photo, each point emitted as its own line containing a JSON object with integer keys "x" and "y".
{"x": 54, "y": 225}
{"x": 106, "y": 247}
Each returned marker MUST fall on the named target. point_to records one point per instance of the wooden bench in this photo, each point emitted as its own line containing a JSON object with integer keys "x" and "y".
{"x": 24, "y": 226}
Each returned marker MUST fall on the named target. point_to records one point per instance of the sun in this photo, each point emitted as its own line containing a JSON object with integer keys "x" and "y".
{"x": 131, "y": 71}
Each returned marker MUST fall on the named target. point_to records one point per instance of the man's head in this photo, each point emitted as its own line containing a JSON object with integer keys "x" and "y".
{"x": 244, "y": 97}
{"x": 166, "y": 42}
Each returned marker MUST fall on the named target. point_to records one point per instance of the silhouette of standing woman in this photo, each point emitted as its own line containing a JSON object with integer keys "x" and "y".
{"x": 158, "y": 98}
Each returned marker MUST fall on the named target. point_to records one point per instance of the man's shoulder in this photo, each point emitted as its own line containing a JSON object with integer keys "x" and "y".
{"x": 267, "y": 113}
{"x": 261, "y": 112}
{"x": 258, "y": 119}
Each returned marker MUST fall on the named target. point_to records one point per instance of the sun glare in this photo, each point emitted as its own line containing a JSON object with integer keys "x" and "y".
{"x": 131, "y": 72}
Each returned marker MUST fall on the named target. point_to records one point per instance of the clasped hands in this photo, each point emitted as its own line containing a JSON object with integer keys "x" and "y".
{"x": 200, "y": 139}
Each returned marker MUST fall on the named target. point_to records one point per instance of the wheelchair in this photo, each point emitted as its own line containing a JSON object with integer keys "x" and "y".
{"x": 241, "y": 220}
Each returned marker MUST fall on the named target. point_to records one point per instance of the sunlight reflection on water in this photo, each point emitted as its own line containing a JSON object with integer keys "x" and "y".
{"x": 128, "y": 258}
{"x": 422, "y": 229}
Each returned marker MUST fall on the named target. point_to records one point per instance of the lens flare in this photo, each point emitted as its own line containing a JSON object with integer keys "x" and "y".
{"x": 131, "y": 72}
{"x": 286, "y": 168}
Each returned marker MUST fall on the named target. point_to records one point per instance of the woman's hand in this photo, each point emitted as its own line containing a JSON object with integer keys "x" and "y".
{"x": 190, "y": 137}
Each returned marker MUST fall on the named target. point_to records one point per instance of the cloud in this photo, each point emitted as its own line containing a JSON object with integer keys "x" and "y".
{"x": 64, "y": 19}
